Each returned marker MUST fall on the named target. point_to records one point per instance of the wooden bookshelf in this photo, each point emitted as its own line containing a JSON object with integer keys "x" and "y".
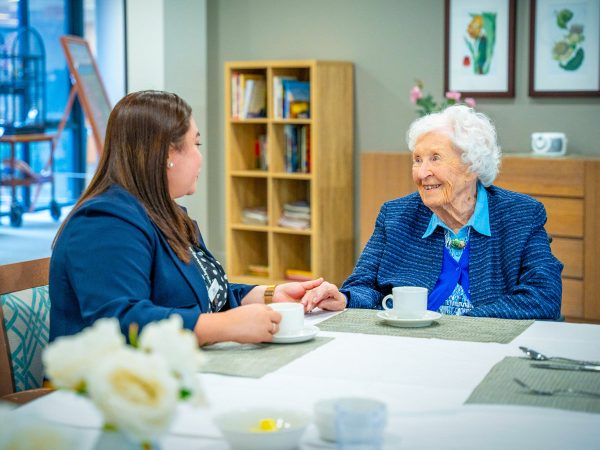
{"x": 326, "y": 248}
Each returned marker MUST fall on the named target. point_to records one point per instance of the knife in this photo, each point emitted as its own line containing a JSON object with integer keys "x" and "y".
{"x": 585, "y": 368}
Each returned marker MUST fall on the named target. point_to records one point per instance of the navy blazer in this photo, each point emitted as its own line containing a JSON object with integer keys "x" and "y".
{"x": 112, "y": 261}
{"x": 512, "y": 273}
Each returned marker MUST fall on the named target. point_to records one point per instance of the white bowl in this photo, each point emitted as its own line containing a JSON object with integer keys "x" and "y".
{"x": 237, "y": 426}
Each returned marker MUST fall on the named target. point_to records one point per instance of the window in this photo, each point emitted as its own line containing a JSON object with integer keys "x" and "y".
{"x": 102, "y": 24}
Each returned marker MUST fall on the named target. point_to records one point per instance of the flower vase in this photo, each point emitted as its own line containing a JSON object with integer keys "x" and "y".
{"x": 119, "y": 440}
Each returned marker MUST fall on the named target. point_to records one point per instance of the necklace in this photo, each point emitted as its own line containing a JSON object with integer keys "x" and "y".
{"x": 456, "y": 243}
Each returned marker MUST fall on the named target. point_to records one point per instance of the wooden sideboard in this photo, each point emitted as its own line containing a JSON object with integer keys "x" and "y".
{"x": 569, "y": 188}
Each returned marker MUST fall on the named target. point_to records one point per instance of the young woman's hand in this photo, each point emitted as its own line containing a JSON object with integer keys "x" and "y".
{"x": 249, "y": 324}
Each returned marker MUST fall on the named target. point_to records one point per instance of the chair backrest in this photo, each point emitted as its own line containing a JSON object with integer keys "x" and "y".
{"x": 24, "y": 324}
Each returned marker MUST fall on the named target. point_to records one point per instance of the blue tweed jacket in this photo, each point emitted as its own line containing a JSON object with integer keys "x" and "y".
{"x": 112, "y": 261}
{"x": 512, "y": 273}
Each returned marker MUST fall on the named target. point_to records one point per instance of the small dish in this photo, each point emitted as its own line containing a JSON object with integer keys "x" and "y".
{"x": 307, "y": 333}
{"x": 423, "y": 321}
{"x": 240, "y": 428}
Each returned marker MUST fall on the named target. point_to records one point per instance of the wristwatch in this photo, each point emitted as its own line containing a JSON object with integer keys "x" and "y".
{"x": 269, "y": 291}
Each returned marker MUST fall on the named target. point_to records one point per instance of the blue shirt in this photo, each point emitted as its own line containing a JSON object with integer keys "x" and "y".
{"x": 458, "y": 302}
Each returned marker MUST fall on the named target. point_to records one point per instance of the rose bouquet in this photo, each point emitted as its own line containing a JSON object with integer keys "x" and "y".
{"x": 427, "y": 105}
{"x": 136, "y": 387}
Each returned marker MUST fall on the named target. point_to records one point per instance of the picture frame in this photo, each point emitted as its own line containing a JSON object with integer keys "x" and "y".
{"x": 479, "y": 50}
{"x": 564, "y": 48}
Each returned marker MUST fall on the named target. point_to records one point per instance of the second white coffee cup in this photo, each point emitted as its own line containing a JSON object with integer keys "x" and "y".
{"x": 408, "y": 302}
{"x": 292, "y": 318}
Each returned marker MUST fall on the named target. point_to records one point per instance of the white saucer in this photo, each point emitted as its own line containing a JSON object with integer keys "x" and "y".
{"x": 423, "y": 321}
{"x": 307, "y": 333}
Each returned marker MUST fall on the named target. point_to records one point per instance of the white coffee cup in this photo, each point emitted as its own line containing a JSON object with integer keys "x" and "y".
{"x": 292, "y": 318}
{"x": 408, "y": 302}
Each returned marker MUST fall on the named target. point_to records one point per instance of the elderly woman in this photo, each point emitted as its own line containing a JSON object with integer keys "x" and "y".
{"x": 479, "y": 250}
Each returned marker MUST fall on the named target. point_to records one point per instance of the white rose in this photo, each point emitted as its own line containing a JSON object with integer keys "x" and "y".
{"x": 68, "y": 359}
{"x": 136, "y": 392}
{"x": 179, "y": 347}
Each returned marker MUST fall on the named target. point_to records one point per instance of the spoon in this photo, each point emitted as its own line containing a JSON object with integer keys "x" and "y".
{"x": 537, "y": 356}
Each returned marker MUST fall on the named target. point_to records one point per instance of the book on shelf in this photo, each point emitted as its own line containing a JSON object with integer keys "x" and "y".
{"x": 258, "y": 270}
{"x": 294, "y": 224}
{"x": 297, "y": 148}
{"x": 296, "y": 215}
{"x": 299, "y": 110}
{"x": 248, "y": 98}
{"x": 260, "y": 152}
{"x": 278, "y": 94}
{"x": 300, "y": 206}
{"x": 296, "y": 99}
{"x": 255, "y": 99}
{"x": 305, "y": 149}
{"x": 254, "y": 216}
{"x": 235, "y": 87}
{"x": 298, "y": 275}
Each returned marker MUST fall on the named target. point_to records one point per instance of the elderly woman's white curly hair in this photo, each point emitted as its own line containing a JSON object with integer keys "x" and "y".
{"x": 471, "y": 132}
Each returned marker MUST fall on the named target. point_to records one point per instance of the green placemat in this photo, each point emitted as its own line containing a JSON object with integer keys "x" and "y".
{"x": 254, "y": 360}
{"x": 453, "y": 328}
{"x": 499, "y": 387}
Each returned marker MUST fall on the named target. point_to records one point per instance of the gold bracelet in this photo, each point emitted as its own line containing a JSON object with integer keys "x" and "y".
{"x": 268, "y": 295}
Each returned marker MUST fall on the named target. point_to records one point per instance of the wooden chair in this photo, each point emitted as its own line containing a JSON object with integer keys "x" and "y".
{"x": 24, "y": 329}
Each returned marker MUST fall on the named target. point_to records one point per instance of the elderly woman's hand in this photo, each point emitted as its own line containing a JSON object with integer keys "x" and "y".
{"x": 326, "y": 296}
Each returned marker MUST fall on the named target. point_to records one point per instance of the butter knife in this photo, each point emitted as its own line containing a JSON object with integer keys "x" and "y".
{"x": 581, "y": 367}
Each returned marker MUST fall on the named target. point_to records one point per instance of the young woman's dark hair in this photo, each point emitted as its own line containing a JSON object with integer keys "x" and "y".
{"x": 141, "y": 129}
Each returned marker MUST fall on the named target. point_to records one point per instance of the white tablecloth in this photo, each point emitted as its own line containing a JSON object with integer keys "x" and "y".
{"x": 423, "y": 381}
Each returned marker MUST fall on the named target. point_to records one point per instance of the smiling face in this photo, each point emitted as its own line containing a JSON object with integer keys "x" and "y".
{"x": 186, "y": 161}
{"x": 442, "y": 178}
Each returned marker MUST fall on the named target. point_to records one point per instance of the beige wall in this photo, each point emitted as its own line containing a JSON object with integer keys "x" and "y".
{"x": 166, "y": 48}
{"x": 391, "y": 42}
{"x": 185, "y": 74}
{"x": 145, "y": 45}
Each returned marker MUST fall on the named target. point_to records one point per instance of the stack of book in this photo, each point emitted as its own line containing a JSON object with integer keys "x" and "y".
{"x": 257, "y": 270}
{"x": 298, "y": 275}
{"x": 291, "y": 98}
{"x": 248, "y": 95}
{"x": 297, "y": 148}
{"x": 254, "y": 216}
{"x": 296, "y": 215}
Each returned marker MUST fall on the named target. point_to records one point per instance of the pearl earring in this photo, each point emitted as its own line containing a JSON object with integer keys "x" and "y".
{"x": 170, "y": 165}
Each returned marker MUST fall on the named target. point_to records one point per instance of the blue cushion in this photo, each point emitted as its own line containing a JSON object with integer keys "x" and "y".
{"x": 27, "y": 322}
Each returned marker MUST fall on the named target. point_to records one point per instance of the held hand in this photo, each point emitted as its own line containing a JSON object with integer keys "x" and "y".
{"x": 295, "y": 291}
{"x": 251, "y": 324}
{"x": 326, "y": 296}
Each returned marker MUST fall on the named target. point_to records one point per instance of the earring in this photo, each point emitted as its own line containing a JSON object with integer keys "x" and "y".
{"x": 170, "y": 164}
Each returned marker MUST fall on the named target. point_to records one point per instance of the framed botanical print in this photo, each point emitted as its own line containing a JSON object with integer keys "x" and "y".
{"x": 480, "y": 47}
{"x": 564, "y": 48}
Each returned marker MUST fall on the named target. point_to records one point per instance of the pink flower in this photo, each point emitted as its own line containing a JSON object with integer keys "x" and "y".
{"x": 470, "y": 102}
{"x": 453, "y": 95}
{"x": 415, "y": 94}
